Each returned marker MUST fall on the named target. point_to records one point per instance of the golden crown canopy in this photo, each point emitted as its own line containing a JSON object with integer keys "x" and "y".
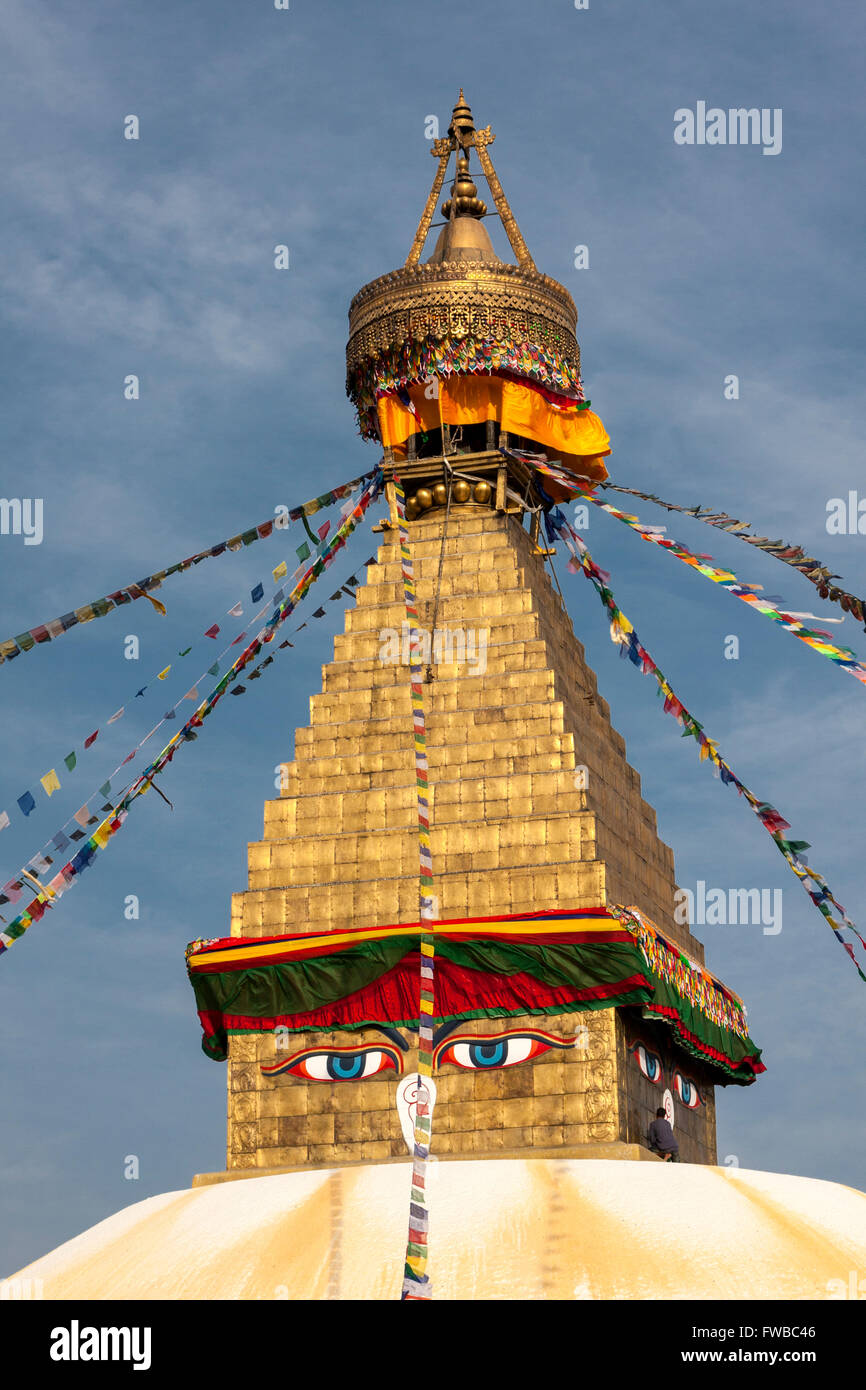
{"x": 463, "y": 310}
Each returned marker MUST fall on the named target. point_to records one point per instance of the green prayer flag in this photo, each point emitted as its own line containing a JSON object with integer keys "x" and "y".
{"x": 303, "y": 552}
{"x": 70, "y": 761}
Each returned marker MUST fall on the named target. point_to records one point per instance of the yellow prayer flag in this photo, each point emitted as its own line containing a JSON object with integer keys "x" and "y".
{"x": 162, "y": 675}
{"x": 280, "y": 571}
{"x": 160, "y": 607}
{"x": 102, "y": 834}
{"x": 51, "y": 782}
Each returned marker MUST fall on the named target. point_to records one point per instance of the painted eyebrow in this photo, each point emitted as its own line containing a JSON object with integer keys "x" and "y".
{"x": 392, "y": 1034}
{"x": 444, "y": 1029}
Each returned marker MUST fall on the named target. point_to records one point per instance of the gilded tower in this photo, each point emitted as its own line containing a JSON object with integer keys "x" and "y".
{"x": 466, "y": 370}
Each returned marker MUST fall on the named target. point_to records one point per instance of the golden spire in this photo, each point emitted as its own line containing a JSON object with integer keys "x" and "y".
{"x": 463, "y": 303}
{"x": 462, "y": 126}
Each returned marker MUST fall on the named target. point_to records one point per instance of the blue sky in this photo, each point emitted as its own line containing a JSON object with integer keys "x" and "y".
{"x": 155, "y": 257}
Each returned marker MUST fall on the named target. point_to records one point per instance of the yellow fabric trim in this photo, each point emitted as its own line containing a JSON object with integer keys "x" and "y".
{"x": 518, "y": 928}
{"x": 470, "y": 400}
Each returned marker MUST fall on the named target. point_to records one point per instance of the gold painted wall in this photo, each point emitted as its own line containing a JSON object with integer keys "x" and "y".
{"x": 510, "y": 832}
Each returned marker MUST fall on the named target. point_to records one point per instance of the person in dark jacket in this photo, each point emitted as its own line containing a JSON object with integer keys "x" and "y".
{"x": 661, "y": 1139}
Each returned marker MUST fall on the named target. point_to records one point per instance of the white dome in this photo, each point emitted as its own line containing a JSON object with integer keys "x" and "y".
{"x": 499, "y": 1229}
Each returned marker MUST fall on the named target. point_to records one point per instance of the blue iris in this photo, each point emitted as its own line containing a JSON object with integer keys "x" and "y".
{"x": 686, "y": 1088}
{"x": 346, "y": 1068}
{"x": 490, "y": 1054}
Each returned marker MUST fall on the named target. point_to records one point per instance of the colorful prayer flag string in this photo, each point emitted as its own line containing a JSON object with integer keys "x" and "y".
{"x": 793, "y": 555}
{"x": 47, "y": 632}
{"x": 623, "y": 633}
{"x": 117, "y": 814}
{"x": 819, "y": 641}
{"x": 416, "y": 1281}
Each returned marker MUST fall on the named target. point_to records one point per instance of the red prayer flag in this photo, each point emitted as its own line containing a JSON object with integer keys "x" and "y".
{"x": 92, "y": 739}
{"x": 212, "y": 631}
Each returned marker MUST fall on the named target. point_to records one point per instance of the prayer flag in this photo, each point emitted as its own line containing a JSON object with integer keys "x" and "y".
{"x": 323, "y": 530}
{"x": 303, "y": 552}
{"x": 214, "y": 670}
{"x": 212, "y": 631}
{"x": 117, "y": 715}
{"x": 51, "y": 782}
{"x": 70, "y": 761}
{"x": 60, "y": 841}
{"x": 27, "y": 803}
{"x": 281, "y": 570}
{"x": 258, "y": 593}
{"x": 236, "y": 611}
{"x": 192, "y": 694}
{"x": 4, "y": 820}
{"x": 105, "y": 789}
{"x": 185, "y": 651}
{"x": 162, "y": 675}
{"x": 91, "y": 740}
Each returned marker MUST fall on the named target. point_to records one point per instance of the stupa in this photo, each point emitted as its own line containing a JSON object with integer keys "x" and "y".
{"x": 569, "y": 1003}
{"x": 465, "y": 368}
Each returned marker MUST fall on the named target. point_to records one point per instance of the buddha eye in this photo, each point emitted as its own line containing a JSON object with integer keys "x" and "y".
{"x": 496, "y": 1050}
{"x": 338, "y": 1064}
{"x": 687, "y": 1091}
{"x": 649, "y": 1063}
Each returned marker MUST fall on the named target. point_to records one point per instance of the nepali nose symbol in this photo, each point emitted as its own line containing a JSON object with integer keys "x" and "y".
{"x": 668, "y": 1103}
{"x": 410, "y": 1091}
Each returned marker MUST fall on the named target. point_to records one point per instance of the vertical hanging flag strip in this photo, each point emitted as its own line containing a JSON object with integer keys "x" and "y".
{"x": 416, "y": 1281}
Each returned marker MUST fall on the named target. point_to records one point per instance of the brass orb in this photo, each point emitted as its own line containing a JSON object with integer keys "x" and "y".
{"x": 461, "y": 492}
{"x": 423, "y": 499}
{"x": 411, "y": 509}
{"x": 440, "y": 494}
{"x": 482, "y": 492}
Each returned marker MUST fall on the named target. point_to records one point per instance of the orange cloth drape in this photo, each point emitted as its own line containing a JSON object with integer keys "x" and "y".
{"x": 577, "y": 437}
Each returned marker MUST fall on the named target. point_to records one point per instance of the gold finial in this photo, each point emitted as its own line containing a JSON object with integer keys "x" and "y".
{"x": 462, "y": 125}
{"x": 464, "y": 193}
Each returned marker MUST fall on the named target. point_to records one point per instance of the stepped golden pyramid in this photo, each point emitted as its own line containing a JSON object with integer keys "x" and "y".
{"x": 466, "y": 370}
